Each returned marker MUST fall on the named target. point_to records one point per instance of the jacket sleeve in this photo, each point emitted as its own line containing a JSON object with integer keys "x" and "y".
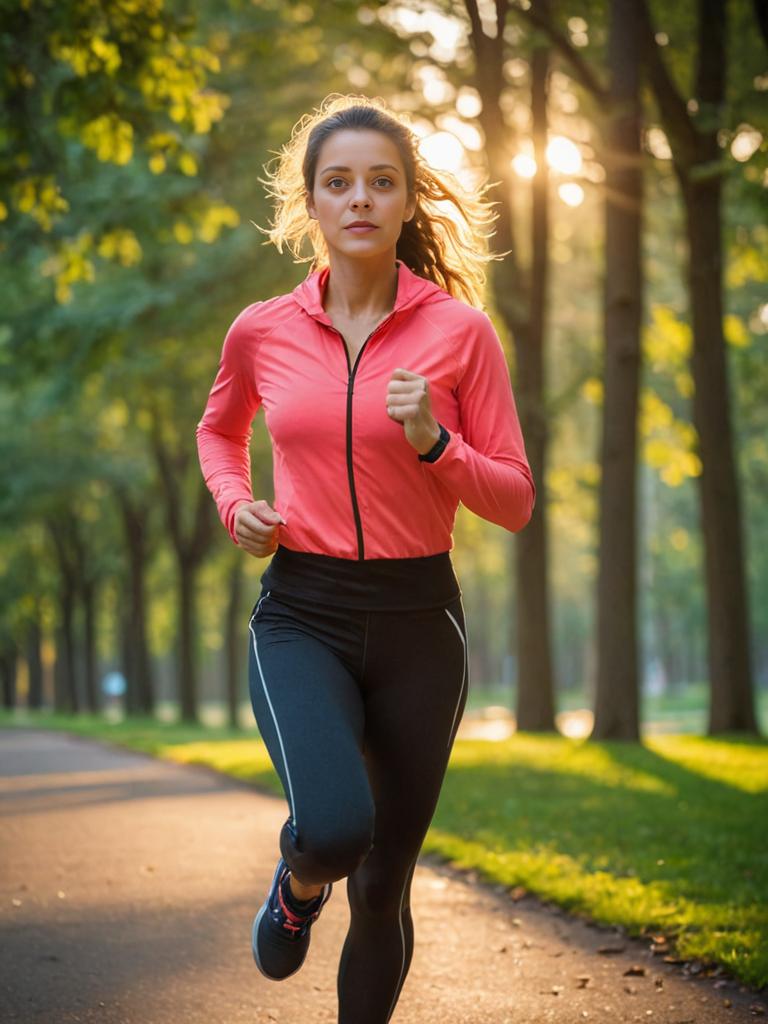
{"x": 484, "y": 464}
{"x": 224, "y": 432}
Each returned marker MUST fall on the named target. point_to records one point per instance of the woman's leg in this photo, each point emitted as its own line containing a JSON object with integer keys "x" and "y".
{"x": 414, "y": 683}
{"x": 309, "y": 711}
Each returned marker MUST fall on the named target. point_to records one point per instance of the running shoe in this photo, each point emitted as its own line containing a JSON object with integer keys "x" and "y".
{"x": 280, "y": 936}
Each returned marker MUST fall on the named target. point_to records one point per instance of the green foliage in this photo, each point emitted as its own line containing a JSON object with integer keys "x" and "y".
{"x": 113, "y": 319}
{"x": 100, "y": 78}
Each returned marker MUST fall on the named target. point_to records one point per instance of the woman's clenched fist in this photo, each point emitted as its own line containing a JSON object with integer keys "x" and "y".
{"x": 256, "y": 527}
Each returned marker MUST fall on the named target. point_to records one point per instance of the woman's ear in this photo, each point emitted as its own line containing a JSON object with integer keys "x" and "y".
{"x": 410, "y": 208}
{"x": 310, "y": 206}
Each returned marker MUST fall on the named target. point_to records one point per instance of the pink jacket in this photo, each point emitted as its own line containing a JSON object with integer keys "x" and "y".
{"x": 346, "y": 480}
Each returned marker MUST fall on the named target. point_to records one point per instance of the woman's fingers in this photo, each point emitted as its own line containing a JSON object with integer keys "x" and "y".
{"x": 259, "y": 550}
{"x": 256, "y": 527}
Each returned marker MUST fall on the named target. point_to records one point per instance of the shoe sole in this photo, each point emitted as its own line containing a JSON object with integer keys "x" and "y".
{"x": 255, "y": 933}
{"x": 255, "y": 947}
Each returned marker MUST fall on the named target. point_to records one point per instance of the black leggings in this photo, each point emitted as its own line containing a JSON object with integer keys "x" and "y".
{"x": 359, "y": 711}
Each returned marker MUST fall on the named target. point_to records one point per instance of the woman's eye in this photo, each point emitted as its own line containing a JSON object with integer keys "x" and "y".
{"x": 333, "y": 182}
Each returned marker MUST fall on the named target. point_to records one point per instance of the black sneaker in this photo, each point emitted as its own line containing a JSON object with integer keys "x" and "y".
{"x": 280, "y": 937}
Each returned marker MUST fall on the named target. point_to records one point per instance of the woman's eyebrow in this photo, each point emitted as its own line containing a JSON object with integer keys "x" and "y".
{"x": 373, "y": 167}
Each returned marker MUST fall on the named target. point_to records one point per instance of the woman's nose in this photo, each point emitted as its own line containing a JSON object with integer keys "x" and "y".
{"x": 360, "y": 197}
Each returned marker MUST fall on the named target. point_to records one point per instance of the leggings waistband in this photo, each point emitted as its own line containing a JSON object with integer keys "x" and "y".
{"x": 373, "y": 584}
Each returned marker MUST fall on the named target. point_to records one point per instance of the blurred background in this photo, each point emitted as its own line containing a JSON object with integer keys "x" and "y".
{"x": 626, "y": 146}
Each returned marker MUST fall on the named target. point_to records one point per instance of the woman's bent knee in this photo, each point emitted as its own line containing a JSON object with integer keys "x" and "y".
{"x": 326, "y": 852}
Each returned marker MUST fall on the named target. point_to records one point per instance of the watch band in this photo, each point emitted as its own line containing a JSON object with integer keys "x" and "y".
{"x": 436, "y": 450}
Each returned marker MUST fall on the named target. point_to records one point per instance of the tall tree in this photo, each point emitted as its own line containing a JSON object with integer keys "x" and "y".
{"x": 617, "y": 693}
{"x": 692, "y": 129}
{"x": 192, "y": 534}
{"x": 138, "y": 669}
{"x": 520, "y": 297}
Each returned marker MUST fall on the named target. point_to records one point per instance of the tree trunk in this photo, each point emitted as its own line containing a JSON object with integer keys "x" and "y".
{"x": 90, "y": 672}
{"x": 34, "y": 662}
{"x": 520, "y": 300}
{"x": 732, "y": 698}
{"x": 616, "y": 694}
{"x": 66, "y": 698}
{"x": 186, "y": 639}
{"x": 235, "y": 650}
{"x": 697, "y": 160}
{"x": 480, "y": 645}
{"x": 535, "y": 693}
{"x": 190, "y": 546}
{"x": 139, "y": 664}
{"x": 131, "y": 702}
{"x": 8, "y": 659}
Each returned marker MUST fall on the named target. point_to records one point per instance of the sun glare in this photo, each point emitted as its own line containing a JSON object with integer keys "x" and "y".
{"x": 443, "y": 151}
{"x": 571, "y": 194}
{"x": 746, "y": 142}
{"x": 563, "y": 155}
{"x": 524, "y": 165}
{"x": 468, "y": 102}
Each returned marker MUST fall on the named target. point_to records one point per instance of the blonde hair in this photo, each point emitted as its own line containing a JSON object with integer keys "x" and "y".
{"x": 442, "y": 247}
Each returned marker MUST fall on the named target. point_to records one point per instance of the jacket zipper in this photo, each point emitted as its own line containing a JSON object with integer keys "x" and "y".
{"x": 350, "y": 471}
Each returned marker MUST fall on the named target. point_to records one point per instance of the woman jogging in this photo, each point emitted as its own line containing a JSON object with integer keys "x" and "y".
{"x": 388, "y": 400}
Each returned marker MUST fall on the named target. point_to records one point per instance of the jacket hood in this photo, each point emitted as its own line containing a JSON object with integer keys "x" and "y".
{"x": 412, "y": 291}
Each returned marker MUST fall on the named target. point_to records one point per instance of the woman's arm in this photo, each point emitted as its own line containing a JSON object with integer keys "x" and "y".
{"x": 485, "y": 464}
{"x": 224, "y": 432}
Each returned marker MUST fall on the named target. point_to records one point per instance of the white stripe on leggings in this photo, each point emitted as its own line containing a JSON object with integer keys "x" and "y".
{"x": 408, "y": 874}
{"x": 271, "y": 708}
{"x": 463, "y": 672}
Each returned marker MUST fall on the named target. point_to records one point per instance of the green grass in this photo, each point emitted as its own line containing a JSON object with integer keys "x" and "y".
{"x": 665, "y": 837}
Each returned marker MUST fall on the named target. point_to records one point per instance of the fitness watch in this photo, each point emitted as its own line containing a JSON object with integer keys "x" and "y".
{"x": 437, "y": 448}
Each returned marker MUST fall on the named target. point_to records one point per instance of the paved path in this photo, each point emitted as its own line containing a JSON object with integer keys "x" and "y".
{"x": 128, "y": 886}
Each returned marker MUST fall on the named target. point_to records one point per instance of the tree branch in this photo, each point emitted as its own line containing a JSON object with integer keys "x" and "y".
{"x": 761, "y": 16}
{"x": 580, "y": 69}
{"x": 672, "y": 107}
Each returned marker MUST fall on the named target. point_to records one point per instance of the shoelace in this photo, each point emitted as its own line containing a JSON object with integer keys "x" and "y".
{"x": 294, "y": 922}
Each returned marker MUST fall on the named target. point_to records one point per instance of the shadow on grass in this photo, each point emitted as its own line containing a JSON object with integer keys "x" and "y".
{"x": 622, "y": 832}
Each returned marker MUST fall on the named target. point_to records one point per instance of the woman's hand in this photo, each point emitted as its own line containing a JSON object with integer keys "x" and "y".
{"x": 408, "y": 403}
{"x": 256, "y": 527}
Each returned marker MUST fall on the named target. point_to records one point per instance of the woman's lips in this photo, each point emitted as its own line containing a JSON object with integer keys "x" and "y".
{"x": 361, "y": 229}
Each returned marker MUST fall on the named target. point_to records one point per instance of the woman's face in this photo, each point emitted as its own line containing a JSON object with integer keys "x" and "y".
{"x": 360, "y": 177}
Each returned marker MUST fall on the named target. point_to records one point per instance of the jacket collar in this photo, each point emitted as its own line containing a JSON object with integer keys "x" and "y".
{"x": 412, "y": 291}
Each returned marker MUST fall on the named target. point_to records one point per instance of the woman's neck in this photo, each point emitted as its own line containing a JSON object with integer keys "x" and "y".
{"x": 361, "y": 289}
